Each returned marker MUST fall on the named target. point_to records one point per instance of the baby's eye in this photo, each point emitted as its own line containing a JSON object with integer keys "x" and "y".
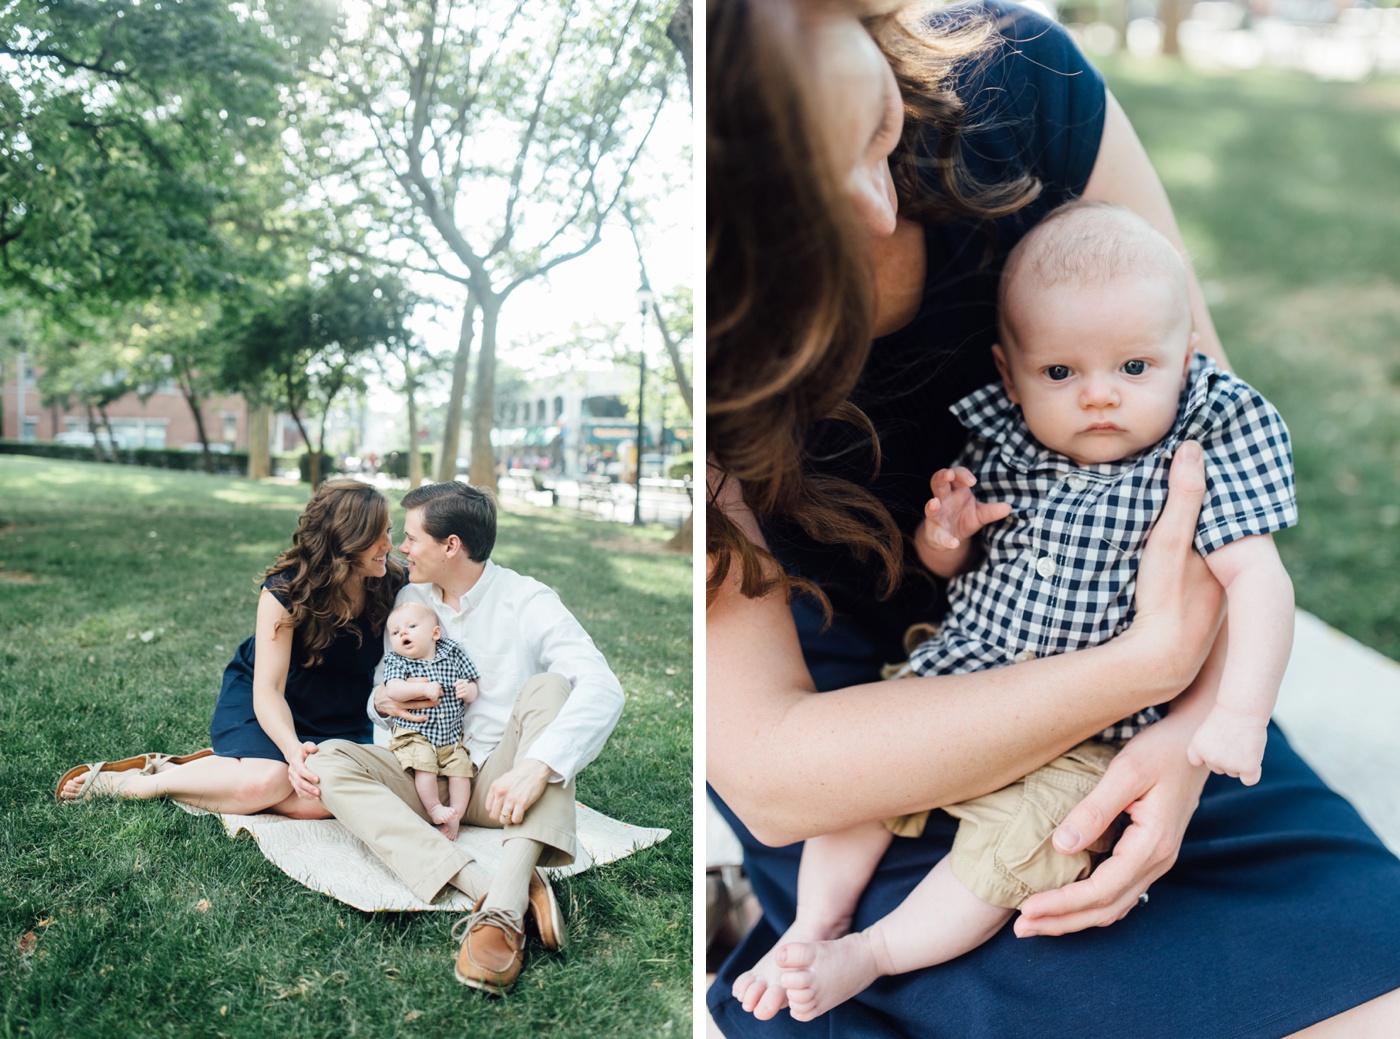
{"x": 1057, "y": 373}
{"x": 1135, "y": 367}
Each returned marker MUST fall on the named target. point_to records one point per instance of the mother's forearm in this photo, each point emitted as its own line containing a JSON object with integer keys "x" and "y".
{"x": 797, "y": 764}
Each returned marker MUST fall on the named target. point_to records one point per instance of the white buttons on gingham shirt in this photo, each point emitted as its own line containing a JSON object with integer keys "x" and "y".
{"x": 1061, "y": 570}
{"x": 443, "y": 724}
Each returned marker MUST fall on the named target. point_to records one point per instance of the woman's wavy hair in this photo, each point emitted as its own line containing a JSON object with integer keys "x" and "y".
{"x": 789, "y": 275}
{"x": 343, "y": 519}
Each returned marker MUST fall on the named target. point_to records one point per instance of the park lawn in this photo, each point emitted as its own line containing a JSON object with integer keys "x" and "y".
{"x": 137, "y": 918}
{"x": 1285, "y": 191}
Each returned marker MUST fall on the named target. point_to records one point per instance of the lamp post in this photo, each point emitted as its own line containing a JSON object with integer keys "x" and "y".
{"x": 645, "y": 301}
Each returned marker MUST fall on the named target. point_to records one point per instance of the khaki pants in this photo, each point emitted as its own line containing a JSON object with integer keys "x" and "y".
{"x": 1002, "y": 851}
{"x": 367, "y": 789}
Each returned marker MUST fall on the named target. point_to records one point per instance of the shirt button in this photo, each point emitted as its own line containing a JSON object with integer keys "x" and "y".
{"x": 1045, "y": 566}
{"x": 1077, "y": 481}
{"x": 1023, "y": 656}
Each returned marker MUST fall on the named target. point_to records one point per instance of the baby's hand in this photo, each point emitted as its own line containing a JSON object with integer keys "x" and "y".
{"x": 1231, "y": 743}
{"x": 466, "y": 690}
{"x": 952, "y": 515}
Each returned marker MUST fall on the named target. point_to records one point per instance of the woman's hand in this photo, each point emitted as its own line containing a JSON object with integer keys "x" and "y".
{"x": 304, "y": 781}
{"x": 1178, "y": 601}
{"x": 1152, "y": 781}
{"x": 402, "y": 697}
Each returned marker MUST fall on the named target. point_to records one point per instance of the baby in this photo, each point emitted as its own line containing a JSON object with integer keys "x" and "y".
{"x": 433, "y": 747}
{"x": 1070, "y": 452}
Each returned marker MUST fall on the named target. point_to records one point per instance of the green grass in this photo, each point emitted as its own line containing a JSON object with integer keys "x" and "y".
{"x": 148, "y": 921}
{"x": 1285, "y": 191}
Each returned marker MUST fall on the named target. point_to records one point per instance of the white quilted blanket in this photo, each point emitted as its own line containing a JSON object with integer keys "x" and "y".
{"x": 323, "y": 855}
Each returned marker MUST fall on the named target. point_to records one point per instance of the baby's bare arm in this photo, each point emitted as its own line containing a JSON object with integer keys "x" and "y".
{"x": 1260, "y": 602}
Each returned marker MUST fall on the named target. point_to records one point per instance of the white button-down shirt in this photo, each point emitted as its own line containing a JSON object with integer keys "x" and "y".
{"x": 514, "y": 627}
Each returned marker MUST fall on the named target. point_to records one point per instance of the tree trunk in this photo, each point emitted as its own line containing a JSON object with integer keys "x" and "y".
{"x": 415, "y": 453}
{"x": 111, "y": 448}
{"x": 194, "y": 404}
{"x": 313, "y": 457}
{"x": 680, "y": 30}
{"x": 259, "y": 446}
{"x": 684, "y": 540}
{"x": 483, "y": 468}
{"x": 451, "y": 436}
{"x": 97, "y": 454}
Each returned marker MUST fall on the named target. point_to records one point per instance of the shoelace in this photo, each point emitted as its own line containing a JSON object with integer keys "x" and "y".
{"x": 507, "y": 920}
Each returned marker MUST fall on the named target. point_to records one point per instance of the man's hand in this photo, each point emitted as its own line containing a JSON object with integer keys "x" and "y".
{"x": 303, "y": 780}
{"x": 401, "y": 697}
{"x": 511, "y": 796}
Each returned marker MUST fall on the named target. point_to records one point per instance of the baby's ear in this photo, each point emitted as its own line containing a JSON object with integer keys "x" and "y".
{"x": 1004, "y": 368}
{"x": 1190, "y": 353}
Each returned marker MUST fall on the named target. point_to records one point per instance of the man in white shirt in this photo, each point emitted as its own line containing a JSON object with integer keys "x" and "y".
{"x": 547, "y": 703}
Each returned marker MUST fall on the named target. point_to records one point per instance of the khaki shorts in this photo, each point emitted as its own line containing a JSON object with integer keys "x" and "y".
{"x": 1002, "y": 852}
{"x": 416, "y": 754}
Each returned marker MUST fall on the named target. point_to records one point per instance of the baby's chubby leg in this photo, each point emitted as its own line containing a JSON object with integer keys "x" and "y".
{"x": 834, "y": 871}
{"x": 449, "y": 816}
{"x": 939, "y": 921}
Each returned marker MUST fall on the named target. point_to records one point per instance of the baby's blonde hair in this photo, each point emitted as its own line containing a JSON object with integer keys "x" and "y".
{"x": 1085, "y": 242}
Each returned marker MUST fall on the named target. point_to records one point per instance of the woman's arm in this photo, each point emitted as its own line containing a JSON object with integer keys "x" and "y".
{"x": 1123, "y": 174}
{"x": 793, "y": 765}
{"x": 272, "y": 660}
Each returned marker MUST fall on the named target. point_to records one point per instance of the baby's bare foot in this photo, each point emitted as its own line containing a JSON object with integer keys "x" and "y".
{"x": 820, "y": 975}
{"x": 447, "y": 819}
{"x": 760, "y": 990}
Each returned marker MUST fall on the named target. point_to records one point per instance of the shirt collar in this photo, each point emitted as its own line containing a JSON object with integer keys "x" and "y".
{"x": 989, "y": 413}
{"x": 473, "y": 598}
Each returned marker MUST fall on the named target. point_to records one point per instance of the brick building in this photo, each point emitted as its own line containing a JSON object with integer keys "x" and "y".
{"x": 162, "y": 420}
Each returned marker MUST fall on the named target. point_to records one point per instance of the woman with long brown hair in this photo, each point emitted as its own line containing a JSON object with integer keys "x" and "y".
{"x": 303, "y": 677}
{"x": 867, "y": 174}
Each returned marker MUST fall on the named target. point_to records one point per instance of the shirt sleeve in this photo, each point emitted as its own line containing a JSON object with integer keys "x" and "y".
{"x": 1249, "y": 467}
{"x": 465, "y": 668}
{"x": 594, "y": 705}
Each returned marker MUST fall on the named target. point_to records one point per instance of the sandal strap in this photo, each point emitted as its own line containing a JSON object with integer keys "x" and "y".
{"x": 89, "y": 778}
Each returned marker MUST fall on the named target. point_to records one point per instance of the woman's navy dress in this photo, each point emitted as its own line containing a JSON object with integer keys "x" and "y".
{"x": 327, "y": 701}
{"x": 1282, "y": 910}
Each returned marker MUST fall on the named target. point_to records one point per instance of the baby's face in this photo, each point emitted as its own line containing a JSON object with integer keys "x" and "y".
{"x": 413, "y": 632}
{"x": 1098, "y": 369}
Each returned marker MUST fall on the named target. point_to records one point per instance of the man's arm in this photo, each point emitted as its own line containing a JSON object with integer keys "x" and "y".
{"x": 591, "y": 712}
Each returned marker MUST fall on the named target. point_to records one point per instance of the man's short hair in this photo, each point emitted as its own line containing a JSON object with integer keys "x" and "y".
{"x": 457, "y": 508}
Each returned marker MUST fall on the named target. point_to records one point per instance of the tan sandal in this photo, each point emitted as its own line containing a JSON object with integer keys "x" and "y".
{"x": 142, "y": 764}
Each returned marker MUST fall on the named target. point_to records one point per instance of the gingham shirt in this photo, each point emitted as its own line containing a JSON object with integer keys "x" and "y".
{"x": 1061, "y": 570}
{"x": 443, "y": 726}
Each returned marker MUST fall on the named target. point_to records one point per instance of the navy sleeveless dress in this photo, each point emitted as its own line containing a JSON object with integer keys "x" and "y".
{"x": 1282, "y": 910}
{"x": 327, "y": 701}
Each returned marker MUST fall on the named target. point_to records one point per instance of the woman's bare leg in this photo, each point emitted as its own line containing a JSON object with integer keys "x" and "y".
{"x": 1378, "y": 1019}
{"x": 241, "y": 786}
{"x": 835, "y": 869}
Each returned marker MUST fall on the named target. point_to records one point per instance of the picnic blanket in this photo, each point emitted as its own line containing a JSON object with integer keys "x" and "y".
{"x": 324, "y": 856}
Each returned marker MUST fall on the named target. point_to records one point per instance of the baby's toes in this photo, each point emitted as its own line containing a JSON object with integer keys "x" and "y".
{"x": 774, "y": 999}
{"x": 797, "y": 955}
{"x": 795, "y": 981}
{"x": 747, "y": 988}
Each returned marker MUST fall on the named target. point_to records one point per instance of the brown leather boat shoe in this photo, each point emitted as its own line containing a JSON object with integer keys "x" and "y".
{"x": 546, "y": 914}
{"x": 493, "y": 949}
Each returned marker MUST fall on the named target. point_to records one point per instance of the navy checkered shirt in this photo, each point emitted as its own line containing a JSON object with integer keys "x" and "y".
{"x": 1061, "y": 570}
{"x": 443, "y": 726}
